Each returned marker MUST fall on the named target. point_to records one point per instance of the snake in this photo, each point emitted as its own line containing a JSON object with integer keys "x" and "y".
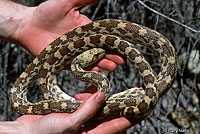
{"x": 92, "y": 41}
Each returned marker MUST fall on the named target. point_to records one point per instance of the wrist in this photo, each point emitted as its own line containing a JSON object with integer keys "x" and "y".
{"x": 12, "y": 20}
{"x": 11, "y": 128}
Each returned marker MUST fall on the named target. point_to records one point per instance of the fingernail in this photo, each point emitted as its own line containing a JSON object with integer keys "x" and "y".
{"x": 78, "y": 96}
{"x": 100, "y": 98}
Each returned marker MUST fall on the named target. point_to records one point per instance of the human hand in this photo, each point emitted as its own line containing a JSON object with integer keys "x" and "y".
{"x": 75, "y": 123}
{"x": 53, "y": 18}
{"x": 61, "y": 123}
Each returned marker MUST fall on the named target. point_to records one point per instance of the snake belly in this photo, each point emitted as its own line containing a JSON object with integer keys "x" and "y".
{"x": 110, "y": 34}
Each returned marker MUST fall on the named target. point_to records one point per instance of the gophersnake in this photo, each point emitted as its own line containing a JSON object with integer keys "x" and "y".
{"x": 110, "y": 34}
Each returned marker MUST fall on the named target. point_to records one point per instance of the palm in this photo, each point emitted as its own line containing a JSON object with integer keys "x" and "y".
{"x": 75, "y": 122}
{"x": 49, "y": 21}
{"x": 55, "y": 123}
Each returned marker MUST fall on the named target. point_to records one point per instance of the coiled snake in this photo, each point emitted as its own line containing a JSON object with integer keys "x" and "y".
{"x": 116, "y": 35}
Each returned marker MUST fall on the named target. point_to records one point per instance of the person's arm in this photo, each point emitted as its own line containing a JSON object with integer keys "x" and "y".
{"x": 55, "y": 123}
{"x": 63, "y": 123}
{"x": 35, "y": 27}
{"x": 11, "y": 127}
{"x": 12, "y": 16}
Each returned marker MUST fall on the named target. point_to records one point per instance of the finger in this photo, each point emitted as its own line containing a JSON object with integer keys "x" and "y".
{"x": 91, "y": 89}
{"x": 116, "y": 58}
{"x": 93, "y": 68}
{"x": 82, "y": 96}
{"x": 80, "y": 3}
{"x": 119, "y": 125}
{"x": 107, "y": 65}
{"x": 110, "y": 61}
{"x": 88, "y": 108}
{"x": 88, "y": 91}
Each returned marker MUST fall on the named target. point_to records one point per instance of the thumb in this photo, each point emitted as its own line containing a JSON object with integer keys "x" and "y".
{"x": 89, "y": 108}
{"x": 81, "y": 3}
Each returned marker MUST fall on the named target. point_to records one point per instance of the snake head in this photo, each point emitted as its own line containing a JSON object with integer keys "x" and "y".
{"x": 89, "y": 57}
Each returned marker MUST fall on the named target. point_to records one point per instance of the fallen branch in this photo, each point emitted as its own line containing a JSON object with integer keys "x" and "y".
{"x": 175, "y": 21}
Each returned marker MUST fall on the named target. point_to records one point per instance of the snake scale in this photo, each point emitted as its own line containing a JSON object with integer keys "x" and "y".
{"x": 74, "y": 46}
